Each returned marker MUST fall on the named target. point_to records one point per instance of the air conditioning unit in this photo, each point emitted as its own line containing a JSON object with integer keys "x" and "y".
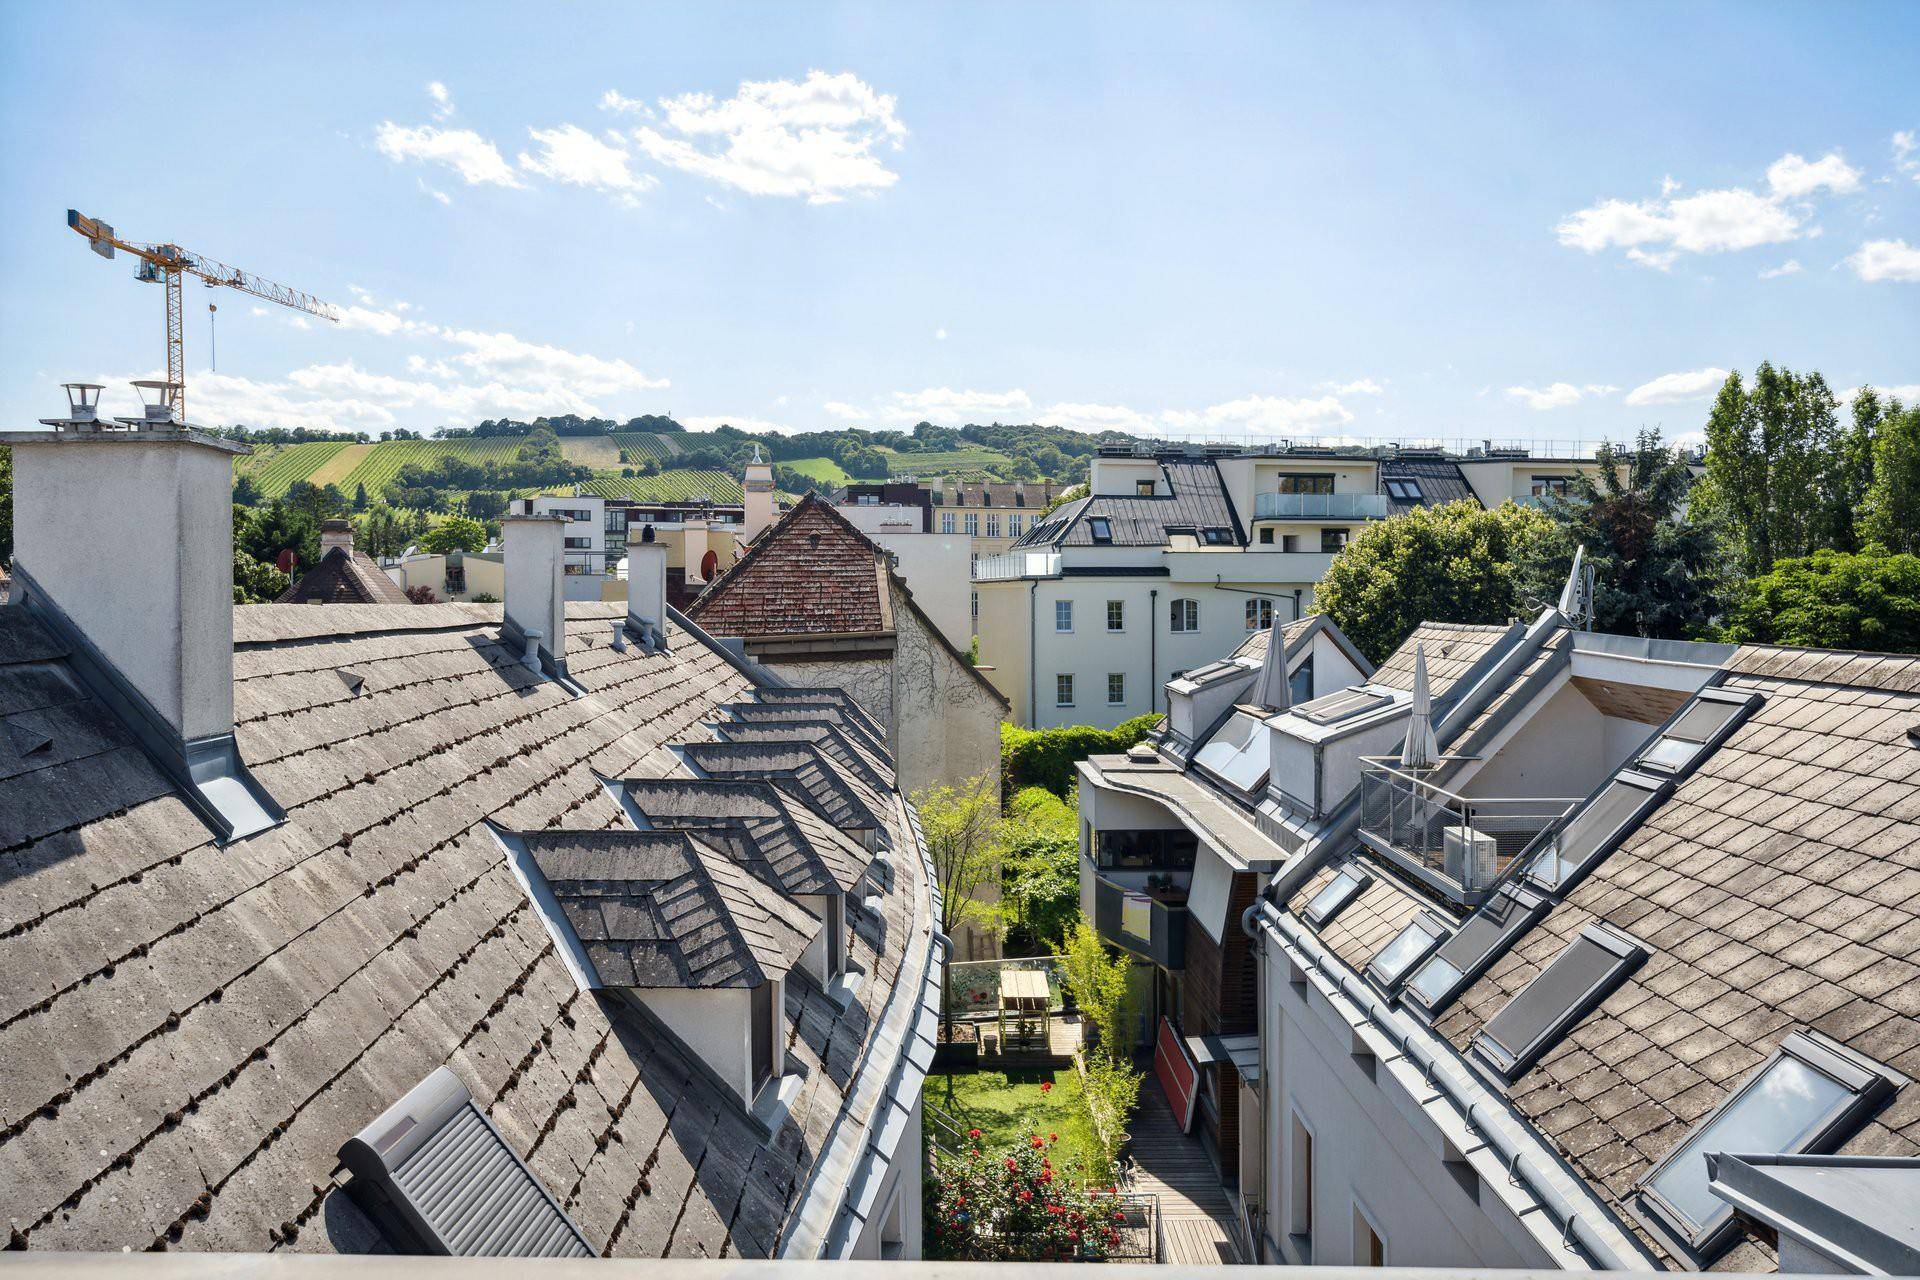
{"x": 1470, "y": 858}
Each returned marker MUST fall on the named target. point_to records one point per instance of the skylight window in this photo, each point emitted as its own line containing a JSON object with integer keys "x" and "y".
{"x": 1705, "y": 724}
{"x": 1215, "y": 537}
{"x": 1100, "y": 529}
{"x": 1808, "y": 1097}
{"x": 1580, "y": 977}
{"x": 1466, "y": 955}
{"x": 1404, "y": 490}
{"x": 1333, "y": 899}
{"x": 1597, "y": 829}
{"x": 1409, "y": 947}
{"x": 1239, "y": 754}
{"x": 1344, "y": 705}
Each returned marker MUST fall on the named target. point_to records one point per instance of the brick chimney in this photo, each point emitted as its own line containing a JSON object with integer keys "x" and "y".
{"x": 123, "y": 545}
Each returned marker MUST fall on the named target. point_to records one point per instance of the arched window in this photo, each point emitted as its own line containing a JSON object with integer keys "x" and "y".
{"x": 1185, "y": 615}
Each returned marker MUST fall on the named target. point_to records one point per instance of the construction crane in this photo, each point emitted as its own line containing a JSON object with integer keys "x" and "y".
{"x": 168, "y": 264}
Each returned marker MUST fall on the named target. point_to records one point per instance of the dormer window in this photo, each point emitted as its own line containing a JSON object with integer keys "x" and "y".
{"x": 1100, "y": 529}
{"x": 1143, "y": 488}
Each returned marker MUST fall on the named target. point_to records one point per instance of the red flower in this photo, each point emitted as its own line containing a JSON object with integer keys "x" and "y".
{"x": 1026, "y": 1197}
{"x": 1053, "y": 1137}
{"x": 1046, "y": 1086}
{"x": 960, "y": 1200}
{"x": 973, "y": 1133}
{"x": 1037, "y": 1143}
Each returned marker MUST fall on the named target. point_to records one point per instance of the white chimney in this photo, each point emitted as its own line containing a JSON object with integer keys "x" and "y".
{"x": 758, "y": 487}
{"x": 534, "y": 547}
{"x": 123, "y": 542}
{"x": 647, "y": 591}
{"x": 336, "y": 533}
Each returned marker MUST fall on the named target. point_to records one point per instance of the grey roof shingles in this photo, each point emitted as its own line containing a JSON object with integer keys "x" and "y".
{"x": 779, "y": 837}
{"x": 191, "y": 1031}
{"x": 1197, "y": 499}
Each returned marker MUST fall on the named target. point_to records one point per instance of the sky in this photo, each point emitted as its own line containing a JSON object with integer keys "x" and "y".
{"x": 1556, "y": 222}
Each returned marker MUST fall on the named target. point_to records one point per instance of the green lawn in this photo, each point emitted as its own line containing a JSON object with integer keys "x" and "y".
{"x": 825, "y": 470}
{"x": 1009, "y": 1109}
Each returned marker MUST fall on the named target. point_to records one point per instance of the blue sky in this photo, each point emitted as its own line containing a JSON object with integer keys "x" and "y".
{"x": 1545, "y": 221}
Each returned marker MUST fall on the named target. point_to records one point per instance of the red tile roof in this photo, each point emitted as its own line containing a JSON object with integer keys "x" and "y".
{"x": 811, "y": 573}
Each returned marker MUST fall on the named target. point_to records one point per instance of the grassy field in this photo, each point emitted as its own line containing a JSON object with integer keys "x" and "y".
{"x": 1011, "y": 1108}
{"x": 669, "y": 486}
{"x": 825, "y": 470}
{"x": 952, "y": 462}
{"x": 643, "y": 446}
{"x": 340, "y": 465}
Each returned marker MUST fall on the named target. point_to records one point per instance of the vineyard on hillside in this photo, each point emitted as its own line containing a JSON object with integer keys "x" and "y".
{"x": 670, "y": 486}
{"x": 952, "y": 462}
{"x": 640, "y": 447}
{"x": 378, "y": 469}
{"x": 276, "y": 468}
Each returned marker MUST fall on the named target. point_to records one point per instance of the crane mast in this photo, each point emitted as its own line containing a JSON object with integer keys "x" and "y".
{"x": 169, "y": 265}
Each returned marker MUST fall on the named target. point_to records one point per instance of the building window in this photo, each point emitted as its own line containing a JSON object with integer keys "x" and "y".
{"x": 1266, "y": 537}
{"x": 1811, "y": 1095}
{"x": 973, "y": 566}
{"x": 1116, "y": 615}
{"x": 975, "y": 601}
{"x": 946, "y": 522}
{"x": 1143, "y": 488}
{"x": 1541, "y": 486}
{"x": 1300, "y": 1187}
{"x": 1144, "y": 850}
{"x": 1369, "y": 1250}
{"x": 1333, "y": 539}
{"x": 579, "y": 544}
{"x": 1185, "y": 616}
{"x": 1100, "y": 529}
{"x": 993, "y": 525}
{"x": 1013, "y": 526}
{"x": 1306, "y": 484}
{"x": 1259, "y": 613}
{"x": 1063, "y": 615}
{"x": 1404, "y": 490}
{"x": 1116, "y": 689}
{"x": 1063, "y": 690}
{"x": 1580, "y": 977}
{"x": 973, "y": 525}
{"x": 1217, "y": 537}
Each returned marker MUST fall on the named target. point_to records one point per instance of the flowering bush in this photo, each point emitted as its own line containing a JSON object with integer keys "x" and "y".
{"x": 1015, "y": 1206}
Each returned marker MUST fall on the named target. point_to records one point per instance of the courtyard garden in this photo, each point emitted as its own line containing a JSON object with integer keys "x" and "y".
{"x": 1010, "y": 1108}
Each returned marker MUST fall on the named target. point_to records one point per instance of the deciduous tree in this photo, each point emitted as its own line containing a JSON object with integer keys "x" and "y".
{"x": 1833, "y": 600}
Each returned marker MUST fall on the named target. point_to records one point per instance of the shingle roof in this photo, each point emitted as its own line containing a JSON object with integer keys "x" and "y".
{"x": 1255, "y": 645}
{"x": 344, "y": 577}
{"x": 663, "y": 909}
{"x": 811, "y": 573}
{"x": 1440, "y": 482}
{"x": 1451, "y": 647}
{"x": 191, "y": 1031}
{"x": 1197, "y": 500}
{"x": 780, "y": 838}
{"x": 1777, "y": 887}
{"x": 1364, "y": 925}
{"x": 846, "y": 802}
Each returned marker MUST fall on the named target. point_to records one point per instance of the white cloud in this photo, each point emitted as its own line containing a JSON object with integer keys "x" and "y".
{"x": 1655, "y": 233}
{"x": 1358, "y": 387}
{"x": 1678, "y": 388}
{"x": 707, "y": 422}
{"x": 1906, "y": 394}
{"x": 1790, "y": 267}
{"x": 821, "y": 139}
{"x": 1558, "y": 396}
{"x": 1273, "y": 414}
{"x": 1878, "y": 260}
{"x": 940, "y": 335}
{"x": 435, "y": 192}
{"x": 1097, "y": 417}
{"x": 569, "y": 154}
{"x": 442, "y": 100}
{"x": 1906, "y": 153}
{"x": 1794, "y": 176}
{"x": 462, "y": 150}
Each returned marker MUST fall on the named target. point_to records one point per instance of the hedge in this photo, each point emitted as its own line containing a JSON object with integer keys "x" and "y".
{"x": 1045, "y": 757}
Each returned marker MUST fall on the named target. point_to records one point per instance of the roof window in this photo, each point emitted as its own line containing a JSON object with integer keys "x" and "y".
{"x": 1597, "y": 828}
{"x": 1580, "y": 977}
{"x": 1703, "y": 725}
{"x": 1240, "y": 754}
{"x": 1404, "y": 490}
{"x": 1473, "y": 947}
{"x": 1344, "y": 705}
{"x": 1333, "y": 899}
{"x": 1408, "y": 948}
{"x": 1100, "y": 529}
{"x": 438, "y": 1178}
{"x": 1808, "y": 1097}
{"x": 1215, "y": 536}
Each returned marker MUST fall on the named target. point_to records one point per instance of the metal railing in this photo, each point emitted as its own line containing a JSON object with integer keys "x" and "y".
{"x": 1319, "y": 506}
{"x": 1467, "y": 840}
{"x": 1008, "y": 565}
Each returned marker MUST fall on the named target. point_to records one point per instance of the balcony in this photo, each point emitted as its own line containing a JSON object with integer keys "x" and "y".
{"x": 1150, "y": 923}
{"x": 1010, "y": 565}
{"x": 1460, "y": 845}
{"x": 1320, "y": 506}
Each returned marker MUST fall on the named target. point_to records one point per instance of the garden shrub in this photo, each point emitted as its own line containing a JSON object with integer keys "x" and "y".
{"x": 1015, "y": 1206}
{"x": 1040, "y": 870}
{"x": 1045, "y": 757}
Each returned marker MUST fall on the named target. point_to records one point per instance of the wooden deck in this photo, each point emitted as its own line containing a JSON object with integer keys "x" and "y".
{"x": 1196, "y": 1220}
{"x": 1063, "y": 1041}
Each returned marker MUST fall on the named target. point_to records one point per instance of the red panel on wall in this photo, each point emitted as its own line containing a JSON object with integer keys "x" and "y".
{"x": 1178, "y": 1074}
